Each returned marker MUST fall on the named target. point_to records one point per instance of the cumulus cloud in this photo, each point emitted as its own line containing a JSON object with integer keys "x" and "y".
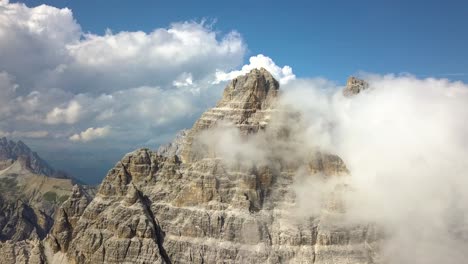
{"x": 91, "y": 134}
{"x": 128, "y": 59}
{"x": 69, "y": 114}
{"x": 283, "y": 75}
{"x": 45, "y": 52}
{"x": 56, "y": 78}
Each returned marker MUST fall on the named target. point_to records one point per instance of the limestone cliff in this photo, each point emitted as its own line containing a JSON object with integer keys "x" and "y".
{"x": 185, "y": 206}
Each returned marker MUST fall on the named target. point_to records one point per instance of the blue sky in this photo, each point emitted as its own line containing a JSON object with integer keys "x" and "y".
{"x": 332, "y": 39}
{"x": 83, "y": 96}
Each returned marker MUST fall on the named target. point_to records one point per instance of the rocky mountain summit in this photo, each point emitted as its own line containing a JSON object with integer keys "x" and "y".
{"x": 354, "y": 86}
{"x": 188, "y": 203}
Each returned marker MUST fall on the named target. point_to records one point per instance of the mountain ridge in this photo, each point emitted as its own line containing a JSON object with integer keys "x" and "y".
{"x": 11, "y": 151}
{"x": 30, "y": 192}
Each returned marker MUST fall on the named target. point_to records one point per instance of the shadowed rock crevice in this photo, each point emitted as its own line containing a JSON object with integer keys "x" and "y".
{"x": 159, "y": 233}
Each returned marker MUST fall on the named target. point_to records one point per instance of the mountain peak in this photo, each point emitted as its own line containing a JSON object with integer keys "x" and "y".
{"x": 257, "y": 89}
{"x": 260, "y": 70}
{"x": 354, "y": 86}
{"x": 246, "y": 103}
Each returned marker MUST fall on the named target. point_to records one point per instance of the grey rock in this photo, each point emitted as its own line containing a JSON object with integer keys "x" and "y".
{"x": 23, "y": 252}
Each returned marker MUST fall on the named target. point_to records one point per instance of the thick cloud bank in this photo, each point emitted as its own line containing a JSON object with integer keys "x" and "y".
{"x": 404, "y": 143}
{"x": 53, "y": 73}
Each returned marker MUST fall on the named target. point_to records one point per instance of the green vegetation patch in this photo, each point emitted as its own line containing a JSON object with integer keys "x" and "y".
{"x": 8, "y": 184}
{"x": 50, "y": 196}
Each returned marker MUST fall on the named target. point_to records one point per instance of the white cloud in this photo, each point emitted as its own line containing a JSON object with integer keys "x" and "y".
{"x": 283, "y": 75}
{"x": 133, "y": 59}
{"x": 33, "y": 40}
{"x": 185, "y": 79}
{"x": 91, "y": 134}
{"x": 69, "y": 114}
{"x": 179, "y": 44}
{"x": 52, "y": 73}
{"x": 406, "y": 147}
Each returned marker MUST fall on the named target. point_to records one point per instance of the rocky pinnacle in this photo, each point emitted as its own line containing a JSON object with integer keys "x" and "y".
{"x": 354, "y": 86}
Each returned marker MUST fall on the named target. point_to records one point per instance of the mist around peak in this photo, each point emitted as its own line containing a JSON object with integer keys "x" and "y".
{"x": 403, "y": 140}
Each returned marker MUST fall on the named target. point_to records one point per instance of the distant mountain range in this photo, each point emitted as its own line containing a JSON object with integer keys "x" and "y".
{"x": 30, "y": 192}
{"x": 11, "y": 152}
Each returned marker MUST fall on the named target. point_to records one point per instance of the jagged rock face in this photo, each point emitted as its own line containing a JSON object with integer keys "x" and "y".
{"x": 354, "y": 86}
{"x": 66, "y": 218}
{"x": 23, "y": 252}
{"x": 247, "y": 102}
{"x": 193, "y": 208}
{"x": 118, "y": 226}
{"x": 20, "y": 221}
{"x": 254, "y": 91}
{"x": 28, "y": 196}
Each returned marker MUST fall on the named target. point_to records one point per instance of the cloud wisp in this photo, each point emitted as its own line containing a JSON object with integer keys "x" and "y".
{"x": 91, "y": 134}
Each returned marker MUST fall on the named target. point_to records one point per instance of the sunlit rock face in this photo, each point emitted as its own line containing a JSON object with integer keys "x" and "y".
{"x": 189, "y": 203}
{"x": 247, "y": 102}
